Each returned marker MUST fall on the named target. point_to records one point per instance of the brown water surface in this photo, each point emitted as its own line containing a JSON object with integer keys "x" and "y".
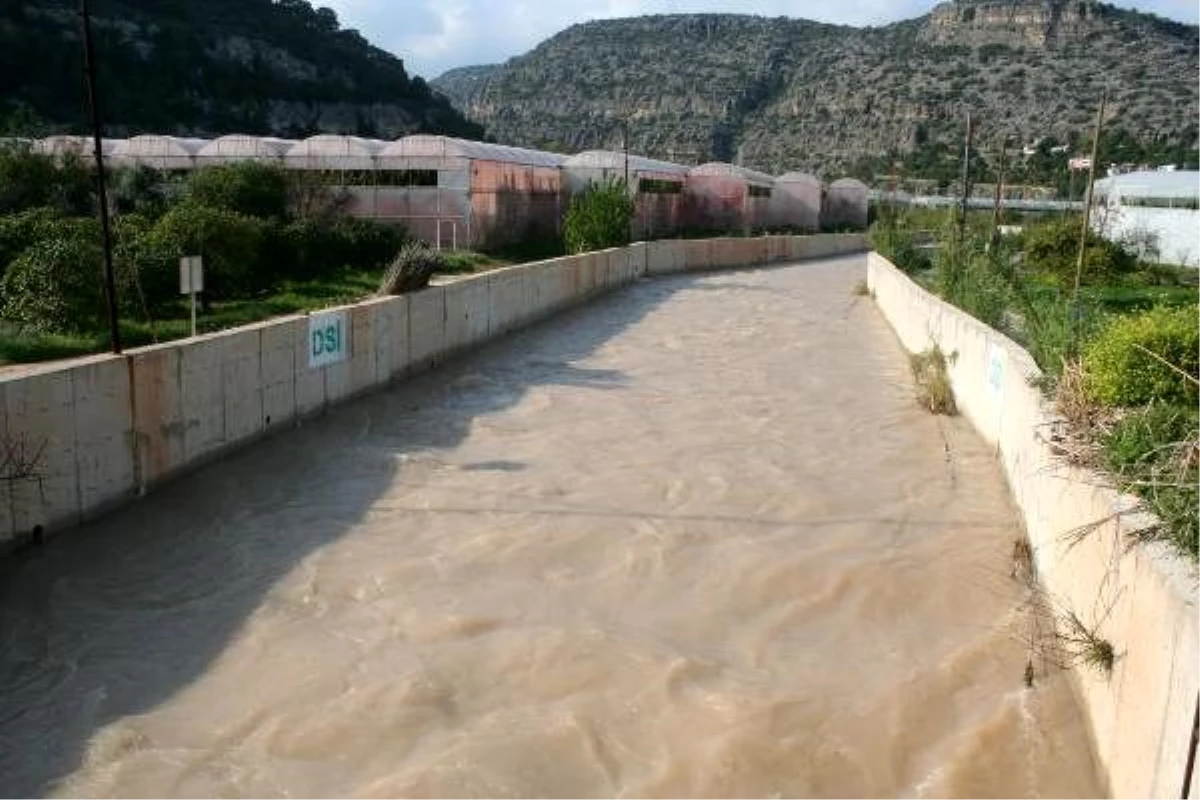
{"x": 694, "y": 539}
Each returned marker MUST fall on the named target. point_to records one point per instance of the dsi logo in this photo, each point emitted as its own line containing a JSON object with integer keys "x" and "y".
{"x": 327, "y": 340}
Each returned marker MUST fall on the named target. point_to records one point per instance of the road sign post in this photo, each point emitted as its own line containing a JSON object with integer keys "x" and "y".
{"x": 191, "y": 281}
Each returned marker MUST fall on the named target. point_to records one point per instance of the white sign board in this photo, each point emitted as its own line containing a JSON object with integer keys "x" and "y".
{"x": 328, "y": 338}
{"x": 191, "y": 275}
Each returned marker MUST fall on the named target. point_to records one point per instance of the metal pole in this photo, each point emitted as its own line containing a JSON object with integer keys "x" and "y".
{"x": 625, "y": 146}
{"x": 110, "y": 280}
{"x": 1189, "y": 770}
{"x": 995, "y": 237}
{"x": 1087, "y": 203}
{"x": 966, "y": 181}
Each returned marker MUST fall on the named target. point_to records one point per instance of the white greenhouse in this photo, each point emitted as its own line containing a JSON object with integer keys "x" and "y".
{"x": 845, "y": 205}
{"x": 239, "y": 147}
{"x": 1158, "y": 213}
{"x": 167, "y": 153}
{"x": 657, "y": 186}
{"x": 457, "y": 193}
{"x": 796, "y": 202}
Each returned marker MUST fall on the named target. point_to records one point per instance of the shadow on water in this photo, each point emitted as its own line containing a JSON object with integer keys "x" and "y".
{"x": 112, "y": 619}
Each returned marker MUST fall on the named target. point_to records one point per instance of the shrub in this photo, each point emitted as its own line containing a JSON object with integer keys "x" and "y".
{"x": 147, "y": 267}
{"x": 252, "y": 188}
{"x": 56, "y": 285}
{"x": 368, "y": 244}
{"x": 140, "y": 190}
{"x": 899, "y": 247}
{"x": 599, "y": 217}
{"x": 19, "y": 231}
{"x": 411, "y": 269}
{"x": 306, "y": 248}
{"x": 1053, "y": 249}
{"x": 231, "y": 244}
{"x": 29, "y": 180}
{"x": 1145, "y": 357}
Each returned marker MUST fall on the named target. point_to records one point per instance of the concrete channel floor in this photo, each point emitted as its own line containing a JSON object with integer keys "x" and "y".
{"x": 695, "y": 538}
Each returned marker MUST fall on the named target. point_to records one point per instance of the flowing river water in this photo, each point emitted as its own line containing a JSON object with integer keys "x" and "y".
{"x": 693, "y": 539}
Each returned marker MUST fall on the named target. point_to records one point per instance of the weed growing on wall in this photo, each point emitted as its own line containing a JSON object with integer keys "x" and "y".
{"x": 932, "y": 379}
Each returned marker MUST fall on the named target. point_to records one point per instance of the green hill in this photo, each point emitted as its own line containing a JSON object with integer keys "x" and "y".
{"x": 204, "y": 67}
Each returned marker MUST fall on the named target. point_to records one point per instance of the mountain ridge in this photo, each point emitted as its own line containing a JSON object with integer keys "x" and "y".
{"x": 781, "y": 93}
{"x": 208, "y": 67}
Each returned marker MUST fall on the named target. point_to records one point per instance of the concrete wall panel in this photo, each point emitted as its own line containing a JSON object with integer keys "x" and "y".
{"x": 697, "y": 254}
{"x": 391, "y": 338}
{"x": 41, "y": 423}
{"x": 363, "y": 344}
{"x": 103, "y": 432}
{"x": 201, "y": 379}
{"x": 242, "y": 379}
{"x": 277, "y": 344}
{"x": 638, "y": 255}
{"x": 666, "y": 256}
{"x": 426, "y": 326}
{"x": 467, "y": 313}
{"x": 506, "y": 300}
{"x": 158, "y": 412}
{"x": 310, "y": 383}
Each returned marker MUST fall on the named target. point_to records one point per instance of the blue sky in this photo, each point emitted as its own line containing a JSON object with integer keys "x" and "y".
{"x": 435, "y": 35}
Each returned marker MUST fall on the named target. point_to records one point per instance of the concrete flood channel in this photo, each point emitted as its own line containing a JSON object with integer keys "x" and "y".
{"x": 694, "y": 538}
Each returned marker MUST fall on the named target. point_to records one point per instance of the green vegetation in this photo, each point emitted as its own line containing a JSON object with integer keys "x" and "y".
{"x": 599, "y": 218}
{"x": 1143, "y": 358}
{"x": 261, "y": 256}
{"x": 278, "y": 67}
{"x": 1121, "y": 358}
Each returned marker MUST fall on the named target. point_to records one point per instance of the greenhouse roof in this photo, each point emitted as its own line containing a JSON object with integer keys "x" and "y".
{"x": 609, "y": 159}
{"x": 239, "y": 146}
{"x": 154, "y": 146}
{"x": 428, "y": 146}
{"x": 732, "y": 170}
{"x": 848, "y": 183}
{"x": 1151, "y": 184}
{"x": 798, "y": 177}
{"x": 79, "y": 145}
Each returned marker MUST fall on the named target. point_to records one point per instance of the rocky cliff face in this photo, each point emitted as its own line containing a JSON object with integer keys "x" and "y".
{"x": 205, "y": 67}
{"x": 1034, "y": 24}
{"x": 781, "y": 94}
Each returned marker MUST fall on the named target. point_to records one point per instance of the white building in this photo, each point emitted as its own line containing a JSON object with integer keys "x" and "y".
{"x": 1159, "y": 210}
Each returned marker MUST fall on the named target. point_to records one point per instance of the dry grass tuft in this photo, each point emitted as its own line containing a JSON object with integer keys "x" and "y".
{"x": 932, "y": 378}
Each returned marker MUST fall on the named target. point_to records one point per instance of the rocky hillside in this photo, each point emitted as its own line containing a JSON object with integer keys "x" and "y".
{"x": 202, "y": 67}
{"x": 781, "y": 94}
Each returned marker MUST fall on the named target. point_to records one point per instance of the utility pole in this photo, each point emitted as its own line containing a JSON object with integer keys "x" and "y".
{"x": 994, "y": 240}
{"x": 625, "y": 147}
{"x": 110, "y": 281}
{"x": 1087, "y": 203}
{"x": 966, "y": 180}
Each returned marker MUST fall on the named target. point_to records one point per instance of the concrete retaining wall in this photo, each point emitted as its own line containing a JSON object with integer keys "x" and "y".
{"x": 102, "y": 430}
{"x": 1141, "y": 599}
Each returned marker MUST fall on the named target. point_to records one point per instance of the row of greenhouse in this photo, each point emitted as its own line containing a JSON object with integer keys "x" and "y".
{"x": 458, "y": 193}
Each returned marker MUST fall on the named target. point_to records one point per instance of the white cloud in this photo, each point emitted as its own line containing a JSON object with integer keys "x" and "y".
{"x": 435, "y": 35}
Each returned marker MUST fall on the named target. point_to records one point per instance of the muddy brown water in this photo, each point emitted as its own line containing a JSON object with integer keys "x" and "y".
{"x": 693, "y": 539}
